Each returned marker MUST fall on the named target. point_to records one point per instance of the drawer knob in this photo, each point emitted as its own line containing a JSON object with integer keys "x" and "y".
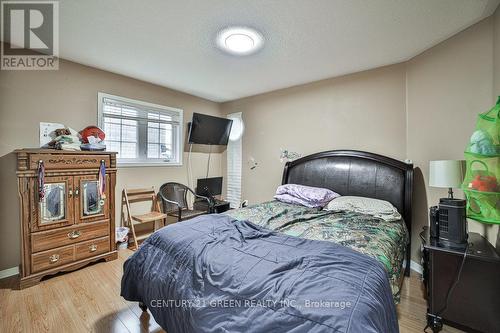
{"x": 54, "y": 258}
{"x": 93, "y": 248}
{"x": 74, "y": 234}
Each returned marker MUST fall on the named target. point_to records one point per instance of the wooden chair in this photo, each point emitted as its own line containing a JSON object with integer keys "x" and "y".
{"x": 130, "y": 196}
{"x": 174, "y": 199}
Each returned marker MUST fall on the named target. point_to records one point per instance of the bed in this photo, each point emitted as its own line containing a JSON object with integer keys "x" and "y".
{"x": 384, "y": 240}
{"x": 258, "y": 273}
{"x": 359, "y": 173}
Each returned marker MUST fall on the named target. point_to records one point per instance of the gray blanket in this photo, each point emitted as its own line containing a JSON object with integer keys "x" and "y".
{"x": 217, "y": 274}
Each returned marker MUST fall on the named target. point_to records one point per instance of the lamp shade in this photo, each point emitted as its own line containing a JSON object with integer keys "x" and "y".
{"x": 448, "y": 173}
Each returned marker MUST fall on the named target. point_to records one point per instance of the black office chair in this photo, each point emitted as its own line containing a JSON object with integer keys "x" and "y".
{"x": 174, "y": 201}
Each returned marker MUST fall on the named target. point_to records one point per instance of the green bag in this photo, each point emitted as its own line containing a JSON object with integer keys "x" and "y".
{"x": 481, "y": 183}
{"x": 486, "y": 139}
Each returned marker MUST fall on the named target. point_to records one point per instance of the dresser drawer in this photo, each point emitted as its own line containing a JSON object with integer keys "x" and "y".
{"x": 91, "y": 248}
{"x": 45, "y": 240}
{"x": 52, "y": 258}
{"x": 61, "y": 161}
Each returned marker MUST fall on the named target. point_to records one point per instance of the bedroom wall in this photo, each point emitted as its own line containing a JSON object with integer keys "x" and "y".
{"x": 447, "y": 86}
{"x": 423, "y": 109}
{"x": 364, "y": 111}
{"x": 69, "y": 96}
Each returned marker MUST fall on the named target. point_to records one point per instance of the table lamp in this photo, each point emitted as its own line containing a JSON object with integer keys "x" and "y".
{"x": 447, "y": 174}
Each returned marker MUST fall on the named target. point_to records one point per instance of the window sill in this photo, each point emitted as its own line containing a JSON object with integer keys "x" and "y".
{"x": 148, "y": 164}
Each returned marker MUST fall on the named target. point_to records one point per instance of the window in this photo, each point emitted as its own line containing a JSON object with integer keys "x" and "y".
{"x": 142, "y": 133}
{"x": 234, "y": 161}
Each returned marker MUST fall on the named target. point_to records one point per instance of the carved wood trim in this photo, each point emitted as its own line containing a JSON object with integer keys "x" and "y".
{"x": 32, "y": 173}
{"x": 68, "y": 161}
{"x": 22, "y": 161}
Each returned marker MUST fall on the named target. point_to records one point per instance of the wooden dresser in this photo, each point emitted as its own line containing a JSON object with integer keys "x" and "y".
{"x": 72, "y": 225}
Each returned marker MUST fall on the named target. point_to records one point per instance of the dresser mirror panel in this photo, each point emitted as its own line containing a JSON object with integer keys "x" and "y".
{"x": 91, "y": 197}
{"x": 55, "y": 208}
{"x": 53, "y": 205}
{"x": 91, "y": 205}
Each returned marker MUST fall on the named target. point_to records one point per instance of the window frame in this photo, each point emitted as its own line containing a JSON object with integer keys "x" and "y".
{"x": 234, "y": 170}
{"x": 177, "y": 138}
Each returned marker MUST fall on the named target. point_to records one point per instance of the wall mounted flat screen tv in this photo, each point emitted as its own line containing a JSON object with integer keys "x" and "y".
{"x": 209, "y": 130}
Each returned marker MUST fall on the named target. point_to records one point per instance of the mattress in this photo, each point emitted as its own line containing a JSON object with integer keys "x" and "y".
{"x": 382, "y": 240}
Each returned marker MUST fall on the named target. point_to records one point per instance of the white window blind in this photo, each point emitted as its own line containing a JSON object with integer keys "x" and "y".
{"x": 141, "y": 133}
{"x": 234, "y": 161}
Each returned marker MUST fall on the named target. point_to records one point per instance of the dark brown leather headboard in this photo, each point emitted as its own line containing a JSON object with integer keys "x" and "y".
{"x": 359, "y": 173}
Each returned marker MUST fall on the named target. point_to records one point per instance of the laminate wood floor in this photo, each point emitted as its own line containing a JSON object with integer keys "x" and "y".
{"x": 88, "y": 300}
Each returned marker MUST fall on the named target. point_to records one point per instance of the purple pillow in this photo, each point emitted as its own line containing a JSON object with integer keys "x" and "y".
{"x": 287, "y": 198}
{"x": 305, "y": 195}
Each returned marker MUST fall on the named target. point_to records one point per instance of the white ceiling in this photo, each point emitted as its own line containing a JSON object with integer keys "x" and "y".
{"x": 172, "y": 43}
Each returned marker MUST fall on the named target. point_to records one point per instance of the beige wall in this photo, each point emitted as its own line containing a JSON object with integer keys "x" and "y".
{"x": 363, "y": 111}
{"x": 422, "y": 110}
{"x": 447, "y": 86}
{"x": 69, "y": 96}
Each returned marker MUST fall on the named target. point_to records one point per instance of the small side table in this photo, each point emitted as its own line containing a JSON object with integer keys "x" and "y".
{"x": 474, "y": 303}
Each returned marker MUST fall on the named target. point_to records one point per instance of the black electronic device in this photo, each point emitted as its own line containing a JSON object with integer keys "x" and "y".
{"x": 214, "y": 208}
{"x": 448, "y": 223}
{"x": 208, "y": 187}
{"x": 434, "y": 221}
{"x": 209, "y": 130}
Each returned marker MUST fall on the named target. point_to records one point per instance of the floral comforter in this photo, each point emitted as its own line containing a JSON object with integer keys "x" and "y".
{"x": 385, "y": 241}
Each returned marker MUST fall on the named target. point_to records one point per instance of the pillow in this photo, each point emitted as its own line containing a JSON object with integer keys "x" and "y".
{"x": 287, "y": 198}
{"x": 375, "y": 207}
{"x": 305, "y": 195}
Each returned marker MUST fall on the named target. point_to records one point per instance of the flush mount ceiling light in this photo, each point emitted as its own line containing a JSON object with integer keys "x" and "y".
{"x": 240, "y": 40}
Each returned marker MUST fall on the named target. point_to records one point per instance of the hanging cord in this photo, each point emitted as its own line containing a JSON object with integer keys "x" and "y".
{"x": 189, "y": 169}
{"x": 41, "y": 180}
{"x": 452, "y": 288}
{"x": 209, "y": 153}
{"x": 190, "y": 173}
{"x": 102, "y": 182}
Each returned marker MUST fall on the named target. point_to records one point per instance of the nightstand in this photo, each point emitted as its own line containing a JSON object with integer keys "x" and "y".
{"x": 474, "y": 303}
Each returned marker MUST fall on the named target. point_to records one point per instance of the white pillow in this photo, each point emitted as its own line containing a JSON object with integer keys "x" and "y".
{"x": 375, "y": 207}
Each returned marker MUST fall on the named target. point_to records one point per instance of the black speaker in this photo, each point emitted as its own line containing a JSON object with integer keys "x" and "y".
{"x": 452, "y": 222}
{"x": 434, "y": 221}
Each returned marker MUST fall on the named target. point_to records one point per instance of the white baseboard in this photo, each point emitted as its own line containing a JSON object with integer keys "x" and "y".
{"x": 416, "y": 267}
{"x": 9, "y": 272}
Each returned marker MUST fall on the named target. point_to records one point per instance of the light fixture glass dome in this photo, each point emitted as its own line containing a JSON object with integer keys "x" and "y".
{"x": 240, "y": 40}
